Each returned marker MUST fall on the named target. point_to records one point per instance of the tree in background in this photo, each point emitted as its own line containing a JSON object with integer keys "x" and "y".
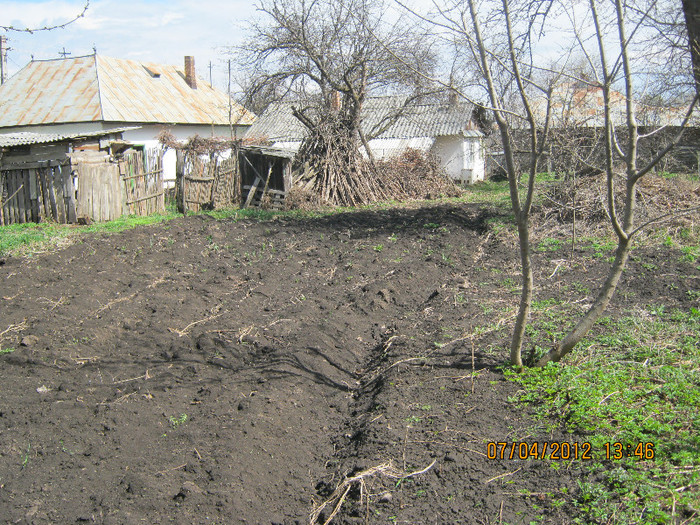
{"x": 329, "y": 56}
{"x": 505, "y": 62}
{"x": 691, "y": 10}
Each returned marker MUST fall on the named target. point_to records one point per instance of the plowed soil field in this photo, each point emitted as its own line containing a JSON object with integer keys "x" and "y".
{"x": 222, "y": 371}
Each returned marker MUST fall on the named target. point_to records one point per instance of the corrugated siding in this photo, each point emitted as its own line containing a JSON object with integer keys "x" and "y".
{"x": 50, "y": 92}
{"x": 28, "y": 137}
{"x": 278, "y": 124}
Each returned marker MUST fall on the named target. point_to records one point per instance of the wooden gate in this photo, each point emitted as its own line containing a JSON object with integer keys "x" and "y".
{"x": 36, "y": 192}
{"x": 99, "y": 194}
{"x": 206, "y": 184}
{"x": 141, "y": 174}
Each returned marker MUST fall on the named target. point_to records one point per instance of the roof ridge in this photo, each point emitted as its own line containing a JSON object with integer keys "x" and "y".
{"x": 56, "y": 59}
{"x": 99, "y": 89}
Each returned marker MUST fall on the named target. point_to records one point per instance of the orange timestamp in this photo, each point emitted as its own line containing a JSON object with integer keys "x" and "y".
{"x": 564, "y": 450}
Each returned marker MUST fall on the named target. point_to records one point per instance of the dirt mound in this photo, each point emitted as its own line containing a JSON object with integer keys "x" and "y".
{"x": 212, "y": 371}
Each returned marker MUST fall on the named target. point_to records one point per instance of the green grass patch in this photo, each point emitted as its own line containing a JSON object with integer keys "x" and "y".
{"x": 29, "y": 238}
{"x": 16, "y": 239}
{"x": 496, "y": 193}
{"x": 638, "y": 381}
{"x": 549, "y": 244}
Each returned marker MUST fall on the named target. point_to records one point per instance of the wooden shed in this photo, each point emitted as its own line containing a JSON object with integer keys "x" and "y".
{"x": 266, "y": 175}
{"x": 95, "y": 176}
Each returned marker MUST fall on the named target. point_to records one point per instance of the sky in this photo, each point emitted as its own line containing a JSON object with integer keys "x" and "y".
{"x": 160, "y": 31}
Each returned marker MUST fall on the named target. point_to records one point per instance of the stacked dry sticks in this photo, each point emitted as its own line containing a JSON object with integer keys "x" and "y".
{"x": 330, "y": 169}
{"x": 329, "y": 164}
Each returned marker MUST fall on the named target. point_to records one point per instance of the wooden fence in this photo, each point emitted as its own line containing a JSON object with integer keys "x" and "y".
{"x": 81, "y": 186}
{"x": 206, "y": 184}
{"x": 35, "y": 192}
{"x": 141, "y": 174}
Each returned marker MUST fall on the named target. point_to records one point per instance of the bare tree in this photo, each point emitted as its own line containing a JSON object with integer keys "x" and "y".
{"x": 498, "y": 41}
{"x": 622, "y": 156}
{"x": 691, "y": 10}
{"x": 324, "y": 55}
{"x": 494, "y": 69}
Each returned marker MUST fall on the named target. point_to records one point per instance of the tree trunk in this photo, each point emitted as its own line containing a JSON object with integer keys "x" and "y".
{"x": 606, "y": 293}
{"x": 691, "y": 9}
{"x": 516, "y": 343}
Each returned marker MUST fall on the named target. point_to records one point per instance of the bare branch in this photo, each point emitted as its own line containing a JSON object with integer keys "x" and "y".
{"x": 48, "y": 28}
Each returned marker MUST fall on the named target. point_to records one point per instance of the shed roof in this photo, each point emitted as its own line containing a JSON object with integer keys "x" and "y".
{"x": 97, "y": 88}
{"x": 27, "y": 138}
{"x": 278, "y": 124}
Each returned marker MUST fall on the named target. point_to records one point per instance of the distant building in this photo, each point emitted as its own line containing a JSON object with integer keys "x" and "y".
{"x": 581, "y": 105}
{"x": 93, "y": 93}
{"x": 445, "y": 130}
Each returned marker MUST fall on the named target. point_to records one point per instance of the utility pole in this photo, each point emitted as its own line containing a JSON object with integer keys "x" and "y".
{"x": 3, "y": 59}
{"x": 64, "y": 53}
{"x": 230, "y": 105}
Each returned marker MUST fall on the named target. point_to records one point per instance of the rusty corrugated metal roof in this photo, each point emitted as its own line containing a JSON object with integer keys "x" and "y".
{"x": 97, "y": 88}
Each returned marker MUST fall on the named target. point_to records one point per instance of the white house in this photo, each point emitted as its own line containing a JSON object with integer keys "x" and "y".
{"x": 445, "y": 130}
{"x": 93, "y": 93}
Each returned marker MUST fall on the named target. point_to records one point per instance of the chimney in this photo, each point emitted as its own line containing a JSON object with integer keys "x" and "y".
{"x": 335, "y": 101}
{"x": 453, "y": 98}
{"x": 190, "y": 76}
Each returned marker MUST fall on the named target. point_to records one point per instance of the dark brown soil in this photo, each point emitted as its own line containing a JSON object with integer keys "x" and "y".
{"x": 213, "y": 371}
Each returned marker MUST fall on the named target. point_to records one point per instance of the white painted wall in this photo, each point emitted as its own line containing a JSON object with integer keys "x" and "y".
{"x": 462, "y": 157}
{"x": 387, "y": 148}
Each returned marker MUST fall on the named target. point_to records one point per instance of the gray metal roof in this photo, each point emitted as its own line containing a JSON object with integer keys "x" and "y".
{"x": 97, "y": 88}
{"x": 269, "y": 152}
{"x": 26, "y": 138}
{"x": 278, "y": 124}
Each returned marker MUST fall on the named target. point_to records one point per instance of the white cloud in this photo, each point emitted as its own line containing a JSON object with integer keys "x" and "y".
{"x": 149, "y": 30}
{"x": 171, "y": 17}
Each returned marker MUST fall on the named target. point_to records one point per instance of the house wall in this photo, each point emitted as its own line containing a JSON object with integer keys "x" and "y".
{"x": 146, "y": 135}
{"x": 387, "y": 148}
{"x": 462, "y": 157}
{"x": 146, "y": 132}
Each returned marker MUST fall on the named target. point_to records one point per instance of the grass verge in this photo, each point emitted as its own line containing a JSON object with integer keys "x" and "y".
{"x": 638, "y": 382}
{"x": 30, "y": 238}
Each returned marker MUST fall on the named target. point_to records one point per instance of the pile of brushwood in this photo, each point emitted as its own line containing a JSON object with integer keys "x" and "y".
{"x": 584, "y": 200}
{"x": 330, "y": 169}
